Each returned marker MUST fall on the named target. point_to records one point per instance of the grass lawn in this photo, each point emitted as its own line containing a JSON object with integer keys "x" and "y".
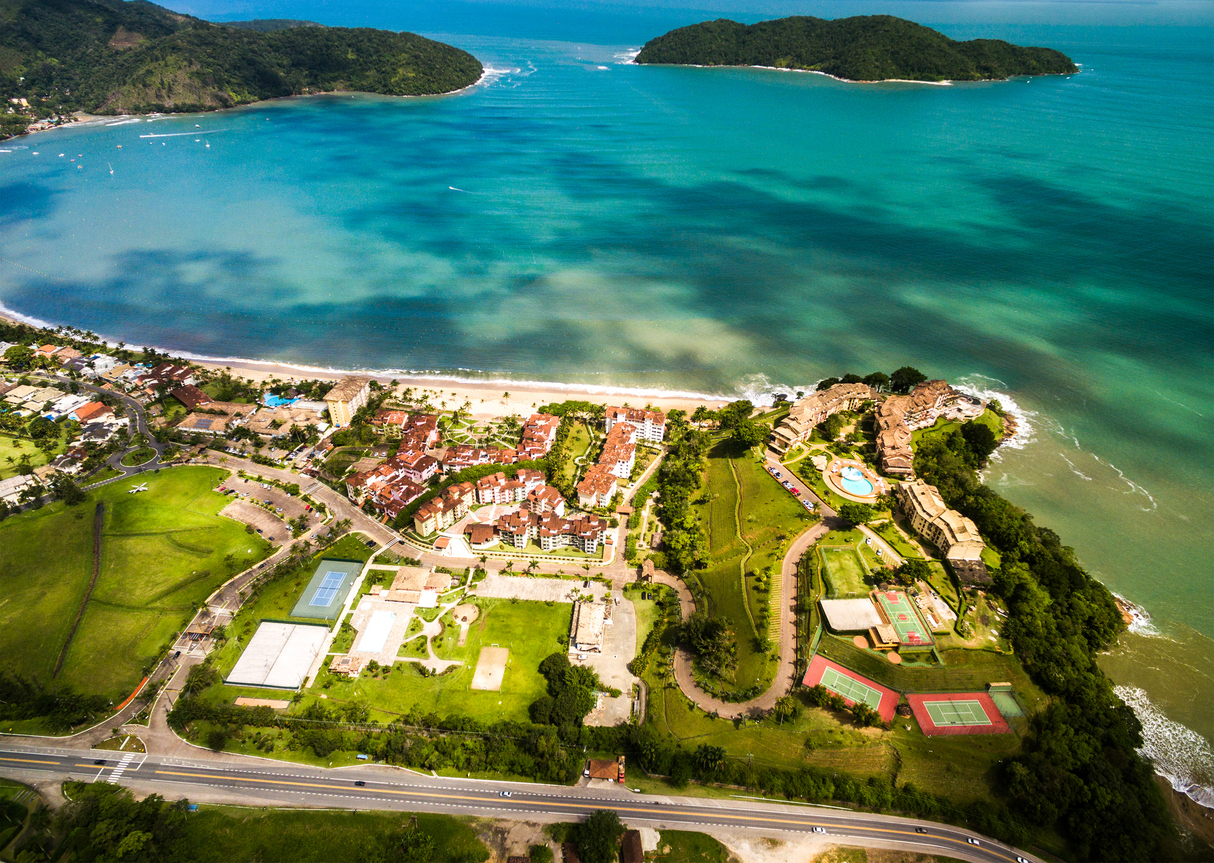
{"x": 843, "y": 571}
{"x": 989, "y": 418}
{"x": 13, "y": 449}
{"x": 577, "y": 445}
{"x": 139, "y": 456}
{"x": 681, "y": 846}
{"x": 163, "y": 552}
{"x": 889, "y": 532}
{"x": 223, "y": 833}
{"x": 529, "y": 629}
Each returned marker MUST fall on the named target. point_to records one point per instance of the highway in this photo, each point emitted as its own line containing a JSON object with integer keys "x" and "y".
{"x": 264, "y": 783}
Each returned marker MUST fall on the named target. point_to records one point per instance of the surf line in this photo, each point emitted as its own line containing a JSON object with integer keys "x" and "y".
{"x": 183, "y": 134}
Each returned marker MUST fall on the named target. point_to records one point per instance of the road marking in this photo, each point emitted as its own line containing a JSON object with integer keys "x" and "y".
{"x": 30, "y": 761}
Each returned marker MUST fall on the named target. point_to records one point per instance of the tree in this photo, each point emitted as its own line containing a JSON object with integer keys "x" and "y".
{"x": 786, "y": 708}
{"x": 826, "y": 383}
{"x": 857, "y": 513}
{"x": 748, "y": 433}
{"x": 598, "y": 837}
{"x": 877, "y": 380}
{"x": 905, "y": 378}
{"x": 980, "y": 440}
{"x": 734, "y": 413}
{"x": 19, "y": 357}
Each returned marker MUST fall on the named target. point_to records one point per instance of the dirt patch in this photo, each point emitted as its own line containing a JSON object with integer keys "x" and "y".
{"x": 490, "y": 669}
{"x": 505, "y": 839}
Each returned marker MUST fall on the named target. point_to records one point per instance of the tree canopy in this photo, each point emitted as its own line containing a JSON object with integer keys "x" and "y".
{"x": 862, "y": 48}
{"x": 115, "y": 57}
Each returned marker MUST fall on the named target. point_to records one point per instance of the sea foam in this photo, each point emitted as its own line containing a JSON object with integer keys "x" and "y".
{"x": 1180, "y": 755}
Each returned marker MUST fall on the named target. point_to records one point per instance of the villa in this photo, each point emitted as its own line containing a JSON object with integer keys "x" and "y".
{"x": 808, "y": 412}
{"x": 647, "y": 425}
{"x": 955, "y": 535}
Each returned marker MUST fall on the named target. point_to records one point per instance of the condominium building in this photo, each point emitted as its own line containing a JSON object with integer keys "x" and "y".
{"x": 955, "y": 535}
{"x": 346, "y": 397}
{"x": 649, "y": 425}
{"x": 808, "y": 412}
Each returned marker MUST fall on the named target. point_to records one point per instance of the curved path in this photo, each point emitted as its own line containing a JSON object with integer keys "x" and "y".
{"x": 785, "y": 677}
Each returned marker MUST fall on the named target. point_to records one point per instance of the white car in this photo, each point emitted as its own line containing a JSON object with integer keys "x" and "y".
{"x": 972, "y": 840}
{"x": 819, "y": 829}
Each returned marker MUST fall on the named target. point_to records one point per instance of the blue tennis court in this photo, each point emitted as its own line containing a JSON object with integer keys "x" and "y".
{"x": 327, "y": 590}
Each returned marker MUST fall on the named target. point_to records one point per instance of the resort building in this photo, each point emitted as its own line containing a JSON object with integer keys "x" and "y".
{"x": 955, "y": 535}
{"x": 461, "y": 456}
{"x": 550, "y": 531}
{"x": 444, "y": 511}
{"x": 539, "y": 433}
{"x": 898, "y": 416}
{"x": 346, "y": 397}
{"x": 808, "y": 412}
{"x": 619, "y": 450}
{"x": 497, "y": 488}
{"x": 649, "y": 425}
{"x": 597, "y": 487}
{"x": 545, "y": 499}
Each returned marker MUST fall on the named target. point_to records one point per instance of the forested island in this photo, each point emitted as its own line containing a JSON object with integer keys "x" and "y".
{"x": 117, "y": 57}
{"x": 862, "y": 48}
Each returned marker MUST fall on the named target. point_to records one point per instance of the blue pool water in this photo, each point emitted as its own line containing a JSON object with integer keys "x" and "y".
{"x": 853, "y": 482}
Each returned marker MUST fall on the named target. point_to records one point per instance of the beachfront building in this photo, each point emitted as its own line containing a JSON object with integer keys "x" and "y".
{"x": 346, "y": 397}
{"x": 798, "y": 424}
{"x": 955, "y": 535}
{"x": 648, "y": 425}
{"x": 597, "y": 487}
{"x": 619, "y": 450}
{"x": 898, "y": 416}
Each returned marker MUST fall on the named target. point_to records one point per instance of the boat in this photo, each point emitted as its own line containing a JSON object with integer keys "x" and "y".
{"x": 111, "y": 169}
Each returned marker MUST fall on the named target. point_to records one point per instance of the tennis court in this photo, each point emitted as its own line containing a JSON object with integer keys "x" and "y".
{"x": 904, "y": 619}
{"x": 851, "y": 687}
{"x": 957, "y": 713}
{"x": 326, "y": 592}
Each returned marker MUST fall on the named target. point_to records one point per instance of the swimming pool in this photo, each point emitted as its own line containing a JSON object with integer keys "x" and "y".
{"x": 853, "y": 482}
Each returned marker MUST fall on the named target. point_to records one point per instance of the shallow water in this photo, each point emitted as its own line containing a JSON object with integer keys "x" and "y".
{"x": 575, "y": 218}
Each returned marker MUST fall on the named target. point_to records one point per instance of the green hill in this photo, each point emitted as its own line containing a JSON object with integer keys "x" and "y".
{"x": 117, "y": 57}
{"x": 864, "y": 48}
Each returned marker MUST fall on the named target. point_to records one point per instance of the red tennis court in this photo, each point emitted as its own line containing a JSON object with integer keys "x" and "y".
{"x": 957, "y": 713}
{"x": 851, "y": 687}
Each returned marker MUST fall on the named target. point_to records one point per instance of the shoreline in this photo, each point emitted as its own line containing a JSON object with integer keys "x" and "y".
{"x": 945, "y": 83}
{"x": 486, "y": 397}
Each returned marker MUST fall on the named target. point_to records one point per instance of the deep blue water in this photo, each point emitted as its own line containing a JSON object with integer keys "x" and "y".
{"x": 576, "y": 218}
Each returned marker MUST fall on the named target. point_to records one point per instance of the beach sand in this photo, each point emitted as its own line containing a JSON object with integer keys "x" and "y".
{"x": 484, "y": 398}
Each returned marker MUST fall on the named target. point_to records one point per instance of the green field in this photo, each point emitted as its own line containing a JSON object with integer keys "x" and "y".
{"x": 989, "y": 418}
{"x": 844, "y": 571}
{"x": 13, "y": 449}
{"x": 140, "y": 456}
{"x": 529, "y": 629}
{"x": 577, "y": 444}
{"x": 750, "y": 520}
{"x": 163, "y": 552}
{"x": 681, "y": 846}
{"x": 223, "y": 833}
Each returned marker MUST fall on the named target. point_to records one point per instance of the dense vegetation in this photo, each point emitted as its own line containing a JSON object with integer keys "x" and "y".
{"x": 115, "y": 57}
{"x": 863, "y": 48}
{"x": 1079, "y": 771}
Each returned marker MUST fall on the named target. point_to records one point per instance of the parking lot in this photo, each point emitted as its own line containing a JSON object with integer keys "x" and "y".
{"x": 266, "y": 507}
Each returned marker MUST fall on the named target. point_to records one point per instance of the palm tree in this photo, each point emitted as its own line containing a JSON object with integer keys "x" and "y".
{"x": 785, "y": 708}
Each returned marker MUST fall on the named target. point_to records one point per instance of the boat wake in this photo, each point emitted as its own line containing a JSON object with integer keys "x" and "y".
{"x": 1179, "y": 754}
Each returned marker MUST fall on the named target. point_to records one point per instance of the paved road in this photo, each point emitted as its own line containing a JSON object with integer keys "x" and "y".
{"x": 255, "y": 782}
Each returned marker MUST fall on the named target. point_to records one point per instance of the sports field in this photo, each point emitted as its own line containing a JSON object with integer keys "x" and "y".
{"x": 844, "y": 572}
{"x": 850, "y": 686}
{"x": 162, "y": 553}
{"x": 957, "y": 713}
{"x": 905, "y": 620}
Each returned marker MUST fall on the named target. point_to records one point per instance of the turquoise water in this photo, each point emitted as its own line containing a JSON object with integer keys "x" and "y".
{"x": 578, "y": 219}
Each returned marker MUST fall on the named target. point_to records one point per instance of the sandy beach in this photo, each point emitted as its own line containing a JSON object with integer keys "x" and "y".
{"x": 484, "y": 398}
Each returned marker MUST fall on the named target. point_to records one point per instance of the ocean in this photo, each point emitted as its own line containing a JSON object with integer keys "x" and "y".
{"x": 741, "y": 232}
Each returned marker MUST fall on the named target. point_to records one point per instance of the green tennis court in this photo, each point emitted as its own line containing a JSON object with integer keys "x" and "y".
{"x": 947, "y": 713}
{"x": 905, "y": 620}
{"x": 852, "y": 690}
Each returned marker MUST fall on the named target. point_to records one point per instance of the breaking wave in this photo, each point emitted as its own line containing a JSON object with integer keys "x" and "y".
{"x": 1180, "y": 755}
